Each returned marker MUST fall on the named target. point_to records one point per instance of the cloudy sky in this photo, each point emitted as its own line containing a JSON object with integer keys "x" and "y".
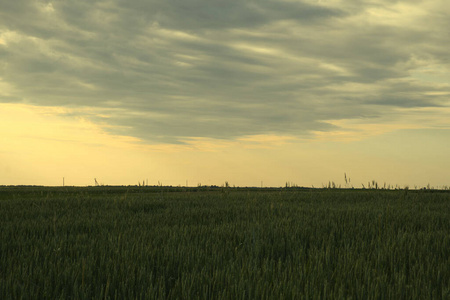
{"x": 242, "y": 91}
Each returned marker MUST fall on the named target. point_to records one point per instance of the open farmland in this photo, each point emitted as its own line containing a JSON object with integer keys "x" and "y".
{"x": 213, "y": 243}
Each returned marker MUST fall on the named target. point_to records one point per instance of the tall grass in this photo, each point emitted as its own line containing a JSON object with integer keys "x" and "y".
{"x": 237, "y": 244}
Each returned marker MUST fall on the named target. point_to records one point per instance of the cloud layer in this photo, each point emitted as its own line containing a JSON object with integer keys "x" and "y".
{"x": 168, "y": 70}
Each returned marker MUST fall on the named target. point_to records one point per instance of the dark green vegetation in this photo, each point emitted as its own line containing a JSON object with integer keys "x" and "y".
{"x": 123, "y": 243}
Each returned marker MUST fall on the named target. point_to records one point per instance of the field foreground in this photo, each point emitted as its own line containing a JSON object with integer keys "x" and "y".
{"x": 167, "y": 243}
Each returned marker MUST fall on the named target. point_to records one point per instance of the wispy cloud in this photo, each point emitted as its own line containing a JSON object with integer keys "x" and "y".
{"x": 176, "y": 71}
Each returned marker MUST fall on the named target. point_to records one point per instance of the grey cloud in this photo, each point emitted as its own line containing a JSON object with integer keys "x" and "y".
{"x": 9, "y": 99}
{"x": 169, "y": 70}
{"x": 207, "y": 15}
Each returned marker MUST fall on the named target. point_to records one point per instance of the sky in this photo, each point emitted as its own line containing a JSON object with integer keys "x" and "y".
{"x": 255, "y": 93}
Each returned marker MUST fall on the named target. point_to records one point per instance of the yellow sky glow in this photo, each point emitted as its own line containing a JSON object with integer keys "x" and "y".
{"x": 46, "y": 146}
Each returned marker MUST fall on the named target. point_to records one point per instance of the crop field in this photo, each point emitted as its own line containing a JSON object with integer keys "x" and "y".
{"x": 223, "y": 243}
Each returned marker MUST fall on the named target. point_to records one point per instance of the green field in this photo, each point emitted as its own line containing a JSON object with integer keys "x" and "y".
{"x": 223, "y": 243}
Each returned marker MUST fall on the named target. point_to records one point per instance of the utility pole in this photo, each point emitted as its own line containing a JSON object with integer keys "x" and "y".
{"x": 63, "y": 181}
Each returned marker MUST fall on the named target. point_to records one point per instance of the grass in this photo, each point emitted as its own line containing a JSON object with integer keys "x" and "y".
{"x": 161, "y": 243}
